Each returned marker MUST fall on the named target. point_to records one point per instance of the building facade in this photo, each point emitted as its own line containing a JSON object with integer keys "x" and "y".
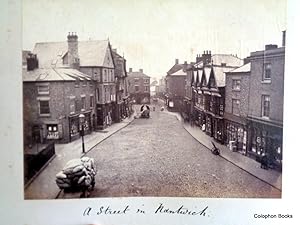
{"x": 236, "y": 108}
{"x": 53, "y": 101}
{"x": 139, "y": 86}
{"x": 175, "y": 86}
{"x": 93, "y": 58}
{"x": 122, "y": 96}
{"x": 265, "y": 113}
{"x": 207, "y": 79}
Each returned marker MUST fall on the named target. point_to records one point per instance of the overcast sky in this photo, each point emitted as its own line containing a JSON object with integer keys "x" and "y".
{"x": 151, "y": 34}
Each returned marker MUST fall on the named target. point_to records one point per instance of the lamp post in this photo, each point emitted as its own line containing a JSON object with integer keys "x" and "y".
{"x": 81, "y": 122}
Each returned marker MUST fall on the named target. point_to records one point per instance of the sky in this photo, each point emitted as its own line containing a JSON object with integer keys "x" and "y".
{"x": 152, "y": 34}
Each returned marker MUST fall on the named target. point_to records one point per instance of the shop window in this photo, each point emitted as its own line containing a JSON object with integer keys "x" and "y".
{"x": 44, "y": 107}
{"x": 74, "y": 128}
{"x": 236, "y": 85}
{"x": 265, "y": 106}
{"x": 52, "y": 131}
{"x": 267, "y": 71}
{"x": 236, "y": 106}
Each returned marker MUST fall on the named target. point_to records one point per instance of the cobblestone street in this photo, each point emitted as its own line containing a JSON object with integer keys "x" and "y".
{"x": 157, "y": 157}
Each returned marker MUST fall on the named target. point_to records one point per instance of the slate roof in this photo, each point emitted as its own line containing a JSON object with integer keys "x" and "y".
{"x": 179, "y": 73}
{"x": 220, "y": 75}
{"x": 218, "y": 59}
{"x": 175, "y": 68}
{"x": 137, "y": 74}
{"x": 53, "y": 74}
{"x": 230, "y": 60}
{"x": 243, "y": 69}
{"x": 91, "y": 53}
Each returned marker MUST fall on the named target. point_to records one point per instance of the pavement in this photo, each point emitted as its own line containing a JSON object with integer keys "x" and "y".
{"x": 43, "y": 185}
{"x": 272, "y": 177}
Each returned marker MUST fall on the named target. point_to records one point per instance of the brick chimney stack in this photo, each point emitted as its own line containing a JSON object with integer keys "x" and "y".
{"x": 73, "y": 58}
{"x": 176, "y": 61}
{"x": 206, "y": 57}
{"x": 130, "y": 70}
{"x": 141, "y": 70}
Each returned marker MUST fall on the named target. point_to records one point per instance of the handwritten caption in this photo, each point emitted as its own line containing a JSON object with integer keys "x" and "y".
{"x": 160, "y": 209}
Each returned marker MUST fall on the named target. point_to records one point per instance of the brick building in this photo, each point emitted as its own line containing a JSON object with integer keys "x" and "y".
{"x": 139, "y": 86}
{"x": 122, "y": 94}
{"x": 53, "y": 100}
{"x": 93, "y": 58}
{"x": 236, "y": 107}
{"x": 175, "y": 86}
{"x": 265, "y": 112}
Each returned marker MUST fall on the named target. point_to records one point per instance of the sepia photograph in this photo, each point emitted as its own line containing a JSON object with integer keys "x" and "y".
{"x": 153, "y": 98}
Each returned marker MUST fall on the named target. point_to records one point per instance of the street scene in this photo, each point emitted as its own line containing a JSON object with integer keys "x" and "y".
{"x": 107, "y": 114}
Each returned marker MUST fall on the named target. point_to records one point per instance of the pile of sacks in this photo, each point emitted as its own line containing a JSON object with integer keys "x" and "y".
{"x": 77, "y": 174}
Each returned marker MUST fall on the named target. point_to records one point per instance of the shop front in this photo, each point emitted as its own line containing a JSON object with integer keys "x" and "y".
{"x": 217, "y": 128}
{"x": 209, "y": 125}
{"x": 236, "y": 136}
{"x": 265, "y": 140}
{"x": 74, "y": 125}
{"x": 200, "y": 117}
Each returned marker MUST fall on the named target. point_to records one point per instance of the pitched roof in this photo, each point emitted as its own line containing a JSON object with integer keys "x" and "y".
{"x": 218, "y": 59}
{"x": 243, "y": 69}
{"x": 137, "y": 74}
{"x": 220, "y": 76}
{"x": 53, "y": 74}
{"x": 175, "y": 68}
{"x": 229, "y": 60}
{"x": 179, "y": 73}
{"x": 91, "y": 53}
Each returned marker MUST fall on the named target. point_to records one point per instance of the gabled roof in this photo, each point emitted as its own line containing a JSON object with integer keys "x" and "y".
{"x": 243, "y": 69}
{"x": 53, "y": 74}
{"x": 175, "y": 68}
{"x": 91, "y": 53}
{"x": 220, "y": 76}
{"x": 179, "y": 73}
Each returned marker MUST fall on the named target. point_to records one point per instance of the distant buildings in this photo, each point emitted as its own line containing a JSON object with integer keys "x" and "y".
{"x": 175, "y": 86}
{"x": 139, "y": 86}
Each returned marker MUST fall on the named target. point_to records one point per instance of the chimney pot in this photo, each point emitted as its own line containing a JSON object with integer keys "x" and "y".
{"x": 130, "y": 70}
{"x": 176, "y": 61}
